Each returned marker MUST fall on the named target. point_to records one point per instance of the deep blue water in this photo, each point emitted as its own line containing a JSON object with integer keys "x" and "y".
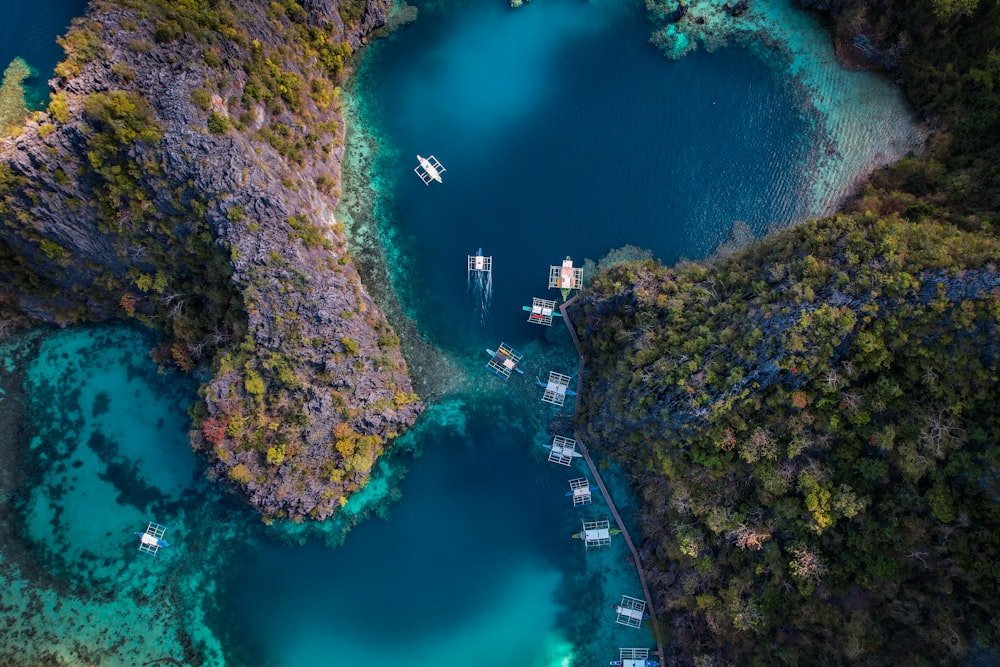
{"x": 29, "y": 30}
{"x": 563, "y": 132}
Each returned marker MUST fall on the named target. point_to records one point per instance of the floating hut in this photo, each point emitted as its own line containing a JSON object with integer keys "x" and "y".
{"x": 596, "y": 534}
{"x": 634, "y": 657}
{"x": 566, "y": 277}
{"x": 480, "y": 264}
{"x": 152, "y": 540}
{"x": 563, "y": 450}
{"x": 556, "y": 388}
{"x": 631, "y": 612}
{"x": 579, "y": 490}
{"x": 541, "y": 311}
{"x": 504, "y": 361}
{"x": 429, "y": 169}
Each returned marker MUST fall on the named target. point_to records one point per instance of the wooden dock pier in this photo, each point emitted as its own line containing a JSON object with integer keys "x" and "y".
{"x": 604, "y": 489}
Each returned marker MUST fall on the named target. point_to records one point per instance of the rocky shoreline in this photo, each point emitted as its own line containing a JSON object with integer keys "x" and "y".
{"x": 186, "y": 175}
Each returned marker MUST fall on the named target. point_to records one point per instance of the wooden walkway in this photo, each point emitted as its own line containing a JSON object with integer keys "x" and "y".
{"x": 600, "y": 482}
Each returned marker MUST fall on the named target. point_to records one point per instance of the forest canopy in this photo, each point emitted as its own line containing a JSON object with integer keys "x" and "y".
{"x": 813, "y": 426}
{"x": 813, "y": 423}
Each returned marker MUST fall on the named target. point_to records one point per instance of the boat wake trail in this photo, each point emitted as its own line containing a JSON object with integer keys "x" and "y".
{"x": 480, "y": 285}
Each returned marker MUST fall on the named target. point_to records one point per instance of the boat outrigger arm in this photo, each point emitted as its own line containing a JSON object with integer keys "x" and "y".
{"x": 542, "y": 311}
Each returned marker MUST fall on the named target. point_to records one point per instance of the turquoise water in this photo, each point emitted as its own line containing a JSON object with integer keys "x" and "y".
{"x": 29, "y": 30}
{"x": 563, "y": 132}
{"x": 468, "y": 567}
{"x": 102, "y": 452}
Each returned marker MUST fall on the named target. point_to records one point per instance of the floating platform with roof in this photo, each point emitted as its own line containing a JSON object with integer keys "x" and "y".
{"x": 579, "y": 491}
{"x": 541, "y": 311}
{"x": 566, "y": 277}
{"x": 152, "y": 540}
{"x": 480, "y": 264}
{"x": 563, "y": 450}
{"x": 596, "y": 533}
{"x": 634, "y": 657}
{"x": 631, "y": 612}
{"x": 504, "y": 361}
{"x": 429, "y": 169}
{"x": 556, "y": 388}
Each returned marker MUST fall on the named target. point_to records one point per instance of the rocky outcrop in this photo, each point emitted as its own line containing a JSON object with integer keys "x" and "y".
{"x": 186, "y": 175}
{"x": 785, "y": 322}
{"x": 826, "y": 386}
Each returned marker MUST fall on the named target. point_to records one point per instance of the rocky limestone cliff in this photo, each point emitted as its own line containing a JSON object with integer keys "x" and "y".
{"x": 699, "y": 340}
{"x": 186, "y": 174}
{"x": 812, "y": 426}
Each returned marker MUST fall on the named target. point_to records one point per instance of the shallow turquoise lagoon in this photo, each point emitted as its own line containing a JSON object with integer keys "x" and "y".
{"x": 563, "y": 133}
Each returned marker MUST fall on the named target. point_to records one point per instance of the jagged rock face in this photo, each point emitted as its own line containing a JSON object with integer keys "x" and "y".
{"x": 787, "y": 415}
{"x": 189, "y": 180}
{"x": 802, "y": 315}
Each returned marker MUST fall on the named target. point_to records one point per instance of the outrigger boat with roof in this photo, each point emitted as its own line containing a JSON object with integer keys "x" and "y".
{"x": 556, "y": 389}
{"x": 504, "y": 361}
{"x": 152, "y": 540}
{"x": 567, "y": 392}
{"x": 630, "y": 612}
{"x": 479, "y": 263}
{"x": 596, "y": 533}
{"x": 542, "y": 311}
{"x": 562, "y": 450}
{"x": 634, "y": 657}
{"x": 566, "y": 277}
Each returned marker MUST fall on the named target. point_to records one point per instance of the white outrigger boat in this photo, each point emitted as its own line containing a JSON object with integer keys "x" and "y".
{"x": 152, "y": 540}
{"x": 429, "y": 169}
{"x": 504, "y": 361}
{"x": 562, "y": 450}
{"x": 634, "y": 657}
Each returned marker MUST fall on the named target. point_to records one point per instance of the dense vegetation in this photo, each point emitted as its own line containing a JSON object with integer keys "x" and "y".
{"x": 204, "y": 209}
{"x": 814, "y": 422}
{"x": 813, "y": 426}
{"x": 13, "y": 108}
{"x": 948, "y": 54}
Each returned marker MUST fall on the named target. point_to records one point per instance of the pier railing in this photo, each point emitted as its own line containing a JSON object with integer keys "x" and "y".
{"x": 604, "y": 488}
